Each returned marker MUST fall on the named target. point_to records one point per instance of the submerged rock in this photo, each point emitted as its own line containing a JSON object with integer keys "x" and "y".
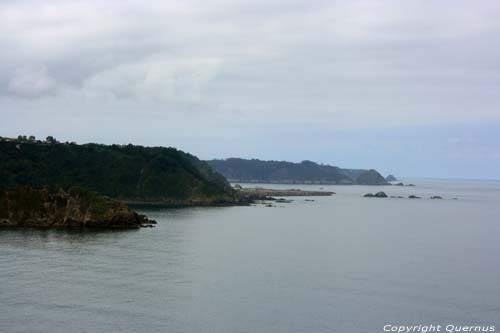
{"x": 28, "y": 207}
{"x": 436, "y": 197}
{"x": 281, "y": 200}
{"x": 368, "y": 195}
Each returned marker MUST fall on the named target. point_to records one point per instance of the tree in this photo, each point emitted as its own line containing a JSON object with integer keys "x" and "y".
{"x": 50, "y": 139}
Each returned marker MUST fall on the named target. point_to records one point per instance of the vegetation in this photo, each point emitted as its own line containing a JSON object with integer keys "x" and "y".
{"x": 97, "y": 204}
{"x": 125, "y": 172}
{"x": 257, "y": 171}
{"x": 370, "y": 177}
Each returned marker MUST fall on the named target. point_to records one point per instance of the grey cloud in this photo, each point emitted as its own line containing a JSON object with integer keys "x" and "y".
{"x": 216, "y": 66}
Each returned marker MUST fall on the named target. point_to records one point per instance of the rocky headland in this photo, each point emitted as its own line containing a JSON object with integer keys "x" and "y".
{"x": 78, "y": 208}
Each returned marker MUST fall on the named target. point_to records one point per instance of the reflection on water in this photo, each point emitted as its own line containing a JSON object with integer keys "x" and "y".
{"x": 338, "y": 264}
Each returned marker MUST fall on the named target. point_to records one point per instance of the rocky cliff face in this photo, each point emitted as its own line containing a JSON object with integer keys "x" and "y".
{"x": 28, "y": 207}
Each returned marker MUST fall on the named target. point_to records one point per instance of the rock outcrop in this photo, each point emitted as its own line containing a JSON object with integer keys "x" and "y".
{"x": 376, "y": 195}
{"x": 28, "y": 207}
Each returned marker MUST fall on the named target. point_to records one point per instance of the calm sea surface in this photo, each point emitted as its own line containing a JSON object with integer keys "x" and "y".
{"x": 338, "y": 264}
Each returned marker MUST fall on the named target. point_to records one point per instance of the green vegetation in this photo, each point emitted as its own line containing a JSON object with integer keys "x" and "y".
{"x": 306, "y": 172}
{"x": 370, "y": 177}
{"x": 97, "y": 204}
{"x": 128, "y": 172}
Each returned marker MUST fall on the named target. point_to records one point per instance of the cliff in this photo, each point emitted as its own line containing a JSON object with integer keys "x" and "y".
{"x": 28, "y": 207}
{"x": 125, "y": 172}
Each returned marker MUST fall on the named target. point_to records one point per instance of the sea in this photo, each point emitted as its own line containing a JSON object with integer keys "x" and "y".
{"x": 340, "y": 263}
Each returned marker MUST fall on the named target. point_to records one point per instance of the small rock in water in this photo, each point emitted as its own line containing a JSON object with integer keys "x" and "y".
{"x": 281, "y": 200}
{"x": 436, "y": 197}
{"x": 376, "y": 195}
{"x": 413, "y": 197}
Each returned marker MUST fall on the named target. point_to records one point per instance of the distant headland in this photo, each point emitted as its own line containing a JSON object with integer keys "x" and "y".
{"x": 282, "y": 172}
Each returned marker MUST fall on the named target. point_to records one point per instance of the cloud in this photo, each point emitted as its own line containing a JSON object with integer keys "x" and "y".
{"x": 30, "y": 83}
{"x": 222, "y": 65}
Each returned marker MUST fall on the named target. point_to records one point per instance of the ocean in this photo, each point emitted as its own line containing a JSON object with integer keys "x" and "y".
{"x": 343, "y": 263}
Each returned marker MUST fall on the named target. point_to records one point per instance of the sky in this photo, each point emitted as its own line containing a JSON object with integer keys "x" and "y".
{"x": 406, "y": 87}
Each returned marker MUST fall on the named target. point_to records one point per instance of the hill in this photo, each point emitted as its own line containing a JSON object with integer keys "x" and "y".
{"x": 306, "y": 172}
{"x": 125, "y": 172}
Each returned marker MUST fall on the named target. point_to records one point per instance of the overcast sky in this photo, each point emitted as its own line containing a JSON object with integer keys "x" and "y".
{"x": 406, "y": 87}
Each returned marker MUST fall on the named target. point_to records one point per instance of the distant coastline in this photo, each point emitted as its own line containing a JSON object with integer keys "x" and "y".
{"x": 238, "y": 170}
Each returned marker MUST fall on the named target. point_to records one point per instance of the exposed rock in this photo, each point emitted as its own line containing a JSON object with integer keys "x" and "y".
{"x": 28, "y": 207}
{"x": 436, "y": 197}
{"x": 413, "y": 197}
{"x": 399, "y": 184}
{"x": 376, "y": 195}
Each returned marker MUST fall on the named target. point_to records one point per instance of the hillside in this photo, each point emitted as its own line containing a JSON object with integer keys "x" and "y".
{"x": 129, "y": 173}
{"x": 306, "y": 172}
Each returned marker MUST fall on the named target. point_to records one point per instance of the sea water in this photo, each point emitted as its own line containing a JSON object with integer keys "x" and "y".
{"x": 342, "y": 263}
